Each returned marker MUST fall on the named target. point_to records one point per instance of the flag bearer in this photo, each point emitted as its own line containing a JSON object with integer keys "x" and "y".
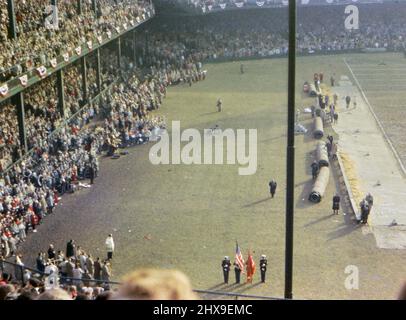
{"x": 237, "y": 271}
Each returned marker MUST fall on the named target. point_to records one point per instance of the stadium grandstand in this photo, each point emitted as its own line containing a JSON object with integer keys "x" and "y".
{"x": 90, "y": 89}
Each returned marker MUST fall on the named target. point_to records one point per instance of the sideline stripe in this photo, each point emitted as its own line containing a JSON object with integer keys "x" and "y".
{"x": 377, "y": 120}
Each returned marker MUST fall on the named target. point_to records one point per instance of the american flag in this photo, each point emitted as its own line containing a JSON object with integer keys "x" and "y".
{"x": 238, "y": 257}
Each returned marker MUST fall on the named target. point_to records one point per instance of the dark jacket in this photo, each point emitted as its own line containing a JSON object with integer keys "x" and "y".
{"x": 273, "y": 185}
{"x": 226, "y": 265}
{"x": 97, "y": 270}
{"x": 70, "y": 249}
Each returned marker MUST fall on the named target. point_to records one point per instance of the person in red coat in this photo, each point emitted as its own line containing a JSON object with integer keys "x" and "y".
{"x": 34, "y": 221}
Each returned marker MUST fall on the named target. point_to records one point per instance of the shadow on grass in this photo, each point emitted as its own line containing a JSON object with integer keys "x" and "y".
{"x": 345, "y": 229}
{"x": 208, "y": 113}
{"x": 245, "y": 287}
{"x": 221, "y": 284}
{"x": 257, "y": 202}
{"x": 272, "y": 139}
{"x": 307, "y": 188}
{"x": 319, "y": 220}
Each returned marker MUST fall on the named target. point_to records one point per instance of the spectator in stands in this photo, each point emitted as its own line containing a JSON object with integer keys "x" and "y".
{"x": 70, "y": 249}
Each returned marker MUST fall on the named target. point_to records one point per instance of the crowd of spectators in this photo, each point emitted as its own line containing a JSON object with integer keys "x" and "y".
{"x": 80, "y": 274}
{"x": 10, "y": 150}
{"x": 240, "y": 34}
{"x": 60, "y": 161}
{"x": 172, "y": 54}
{"x": 38, "y": 41}
{"x": 75, "y": 274}
{"x": 264, "y": 33}
{"x": 73, "y": 278}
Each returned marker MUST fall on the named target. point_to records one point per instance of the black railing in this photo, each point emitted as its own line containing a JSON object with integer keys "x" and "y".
{"x": 19, "y": 270}
{"x": 14, "y": 84}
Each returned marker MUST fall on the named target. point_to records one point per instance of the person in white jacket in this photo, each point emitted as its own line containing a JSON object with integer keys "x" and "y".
{"x": 110, "y": 246}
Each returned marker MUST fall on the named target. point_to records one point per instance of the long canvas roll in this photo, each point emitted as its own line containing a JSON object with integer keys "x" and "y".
{"x": 322, "y": 154}
{"x": 318, "y": 128}
{"x": 320, "y": 185}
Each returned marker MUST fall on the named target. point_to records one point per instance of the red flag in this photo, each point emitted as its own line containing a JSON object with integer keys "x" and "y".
{"x": 250, "y": 267}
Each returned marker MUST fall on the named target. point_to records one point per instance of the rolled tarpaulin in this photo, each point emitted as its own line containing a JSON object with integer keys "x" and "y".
{"x": 320, "y": 185}
{"x": 318, "y": 132}
{"x": 322, "y": 154}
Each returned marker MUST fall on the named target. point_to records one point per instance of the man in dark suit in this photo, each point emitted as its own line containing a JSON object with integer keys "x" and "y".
{"x": 51, "y": 252}
{"x": 272, "y": 187}
{"x": 70, "y": 249}
{"x": 315, "y": 169}
{"x": 347, "y": 101}
{"x": 91, "y": 173}
{"x": 97, "y": 269}
{"x": 336, "y": 204}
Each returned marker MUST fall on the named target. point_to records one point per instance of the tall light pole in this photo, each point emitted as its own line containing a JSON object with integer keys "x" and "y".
{"x": 290, "y": 159}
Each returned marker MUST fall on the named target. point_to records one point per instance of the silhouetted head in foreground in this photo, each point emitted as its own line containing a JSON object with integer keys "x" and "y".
{"x": 154, "y": 284}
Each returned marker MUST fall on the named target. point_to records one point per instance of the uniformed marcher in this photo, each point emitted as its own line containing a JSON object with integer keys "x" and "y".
{"x": 263, "y": 262}
{"x": 237, "y": 271}
{"x": 226, "y": 264}
{"x": 272, "y": 187}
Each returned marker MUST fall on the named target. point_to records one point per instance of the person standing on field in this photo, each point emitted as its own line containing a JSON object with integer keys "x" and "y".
{"x": 237, "y": 271}
{"x": 347, "y": 101}
{"x": 272, "y": 187}
{"x": 219, "y": 105}
{"x": 110, "y": 246}
{"x": 336, "y": 204}
{"x": 315, "y": 169}
{"x": 263, "y": 262}
{"x": 225, "y": 265}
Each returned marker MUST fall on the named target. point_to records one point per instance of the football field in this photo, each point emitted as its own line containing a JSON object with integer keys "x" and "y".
{"x": 189, "y": 217}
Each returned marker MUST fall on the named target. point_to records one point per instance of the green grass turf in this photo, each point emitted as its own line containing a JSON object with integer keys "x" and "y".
{"x": 201, "y": 210}
{"x": 189, "y": 217}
